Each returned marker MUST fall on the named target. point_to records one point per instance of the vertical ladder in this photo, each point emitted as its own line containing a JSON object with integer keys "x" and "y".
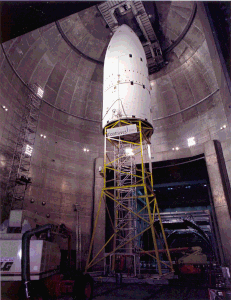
{"x": 25, "y": 132}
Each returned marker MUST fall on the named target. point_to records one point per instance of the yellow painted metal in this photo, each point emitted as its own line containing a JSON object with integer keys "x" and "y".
{"x": 94, "y": 229}
{"x": 122, "y": 187}
{"x": 126, "y": 208}
{"x": 154, "y": 209}
{"x": 108, "y": 241}
{"x": 148, "y": 206}
{"x": 122, "y": 172}
{"x": 127, "y": 142}
{"x": 145, "y": 179}
{"x": 119, "y": 247}
{"x": 164, "y": 236}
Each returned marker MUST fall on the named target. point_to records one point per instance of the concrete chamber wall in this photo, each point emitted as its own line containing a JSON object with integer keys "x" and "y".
{"x": 70, "y": 117}
{"x": 190, "y": 98}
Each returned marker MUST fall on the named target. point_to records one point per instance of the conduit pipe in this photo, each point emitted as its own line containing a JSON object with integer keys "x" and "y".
{"x": 25, "y": 262}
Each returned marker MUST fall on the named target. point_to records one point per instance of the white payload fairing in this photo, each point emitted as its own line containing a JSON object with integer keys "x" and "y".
{"x": 126, "y": 86}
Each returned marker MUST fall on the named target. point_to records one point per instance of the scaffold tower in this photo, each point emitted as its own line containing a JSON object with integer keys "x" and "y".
{"x": 126, "y": 146}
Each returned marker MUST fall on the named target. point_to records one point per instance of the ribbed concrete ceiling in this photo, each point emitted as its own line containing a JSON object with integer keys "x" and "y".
{"x": 73, "y": 83}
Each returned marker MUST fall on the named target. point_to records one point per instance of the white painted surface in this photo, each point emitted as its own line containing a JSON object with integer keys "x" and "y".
{"x": 44, "y": 257}
{"x": 120, "y": 131}
{"x": 121, "y": 99}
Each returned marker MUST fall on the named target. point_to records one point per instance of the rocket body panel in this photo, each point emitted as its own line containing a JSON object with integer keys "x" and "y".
{"x": 126, "y": 89}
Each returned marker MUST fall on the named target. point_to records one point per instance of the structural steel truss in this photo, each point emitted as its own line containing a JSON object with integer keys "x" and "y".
{"x": 121, "y": 155}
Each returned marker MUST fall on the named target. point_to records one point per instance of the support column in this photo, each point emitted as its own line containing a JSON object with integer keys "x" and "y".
{"x": 99, "y": 239}
{"x": 219, "y": 200}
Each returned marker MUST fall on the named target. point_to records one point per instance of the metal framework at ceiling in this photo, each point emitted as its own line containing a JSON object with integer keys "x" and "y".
{"x": 135, "y": 11}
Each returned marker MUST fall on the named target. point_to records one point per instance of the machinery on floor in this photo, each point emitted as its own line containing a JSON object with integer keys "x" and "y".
{"x": 31, "y": 260}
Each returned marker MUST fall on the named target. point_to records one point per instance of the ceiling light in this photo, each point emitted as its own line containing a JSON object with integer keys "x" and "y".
{"x": 84, "y": 149}
{"x": 173, "y": 149}
{"x": 41, "y": 135}
{"x": 6, "y": 109}
{"x": 191, "y": 141}
{"x": 40, "y": 92}
{"x": 177, "y": 148}
{"x": 28, "y": 150}
{"x": 44, "y": 136}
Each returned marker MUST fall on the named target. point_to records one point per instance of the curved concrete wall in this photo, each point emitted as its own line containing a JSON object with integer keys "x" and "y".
{"x": 190, "y": 98}
{"x": 191, "y": 89}
{"x": 62, "y": 173}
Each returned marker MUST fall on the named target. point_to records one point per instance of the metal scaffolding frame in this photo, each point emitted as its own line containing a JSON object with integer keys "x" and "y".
{"x": 24, "y": 137}
{"x": 121, "y": 154}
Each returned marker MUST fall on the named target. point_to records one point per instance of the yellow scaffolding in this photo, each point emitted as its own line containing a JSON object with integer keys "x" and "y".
{"x": 139, "y": 144}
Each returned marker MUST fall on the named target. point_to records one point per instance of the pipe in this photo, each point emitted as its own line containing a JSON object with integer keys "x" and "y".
{"x": 184, "y": 32}
{"x": 25, "y": 262}
{"x": 69, "y": 43}
{"x": 93, "y": 203}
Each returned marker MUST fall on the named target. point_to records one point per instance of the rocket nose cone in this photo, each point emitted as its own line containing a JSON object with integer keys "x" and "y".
{"x": 125, "y": 41}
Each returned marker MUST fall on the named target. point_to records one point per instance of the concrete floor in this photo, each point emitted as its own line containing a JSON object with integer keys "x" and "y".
{"x": 146, "y": 292}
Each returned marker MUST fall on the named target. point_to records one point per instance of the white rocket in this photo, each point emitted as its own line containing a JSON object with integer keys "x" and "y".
{"x": 126, "y": 87}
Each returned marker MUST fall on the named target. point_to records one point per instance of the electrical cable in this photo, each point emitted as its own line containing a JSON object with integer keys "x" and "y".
{"x": 74, "y": 48}
{"x": 191, "y": 106}
{"x": 184, "y": 32}
{"x": 177, "y": 164}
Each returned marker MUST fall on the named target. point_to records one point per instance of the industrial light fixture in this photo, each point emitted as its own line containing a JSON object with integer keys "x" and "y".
{"x": 85, "y": 150}
{"x": 4, "y": 107}
{"x": 28, "y": 150}
{"x": 129, "y": 151}
{"x": 223, "y": 127}
{"x": 40, "y": 92}
{"x": 191, "y": 141}
{"x": 19, "y": 254}
{"x": 43, "y": 136}
{"x": 177, "y": 148}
